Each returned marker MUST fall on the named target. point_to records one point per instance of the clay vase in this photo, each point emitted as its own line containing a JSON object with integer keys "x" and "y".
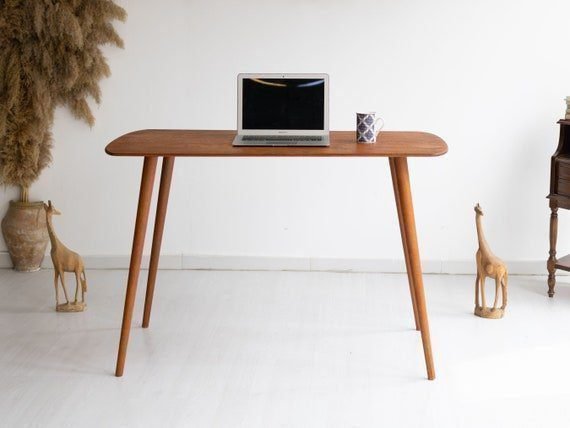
{"x": 25, "y": 232}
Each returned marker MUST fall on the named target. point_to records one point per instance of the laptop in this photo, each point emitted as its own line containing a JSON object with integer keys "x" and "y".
{"x": 282, "y": 110}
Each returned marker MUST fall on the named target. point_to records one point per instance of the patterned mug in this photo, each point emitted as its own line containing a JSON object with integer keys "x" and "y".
{"x": 367, "y": 127}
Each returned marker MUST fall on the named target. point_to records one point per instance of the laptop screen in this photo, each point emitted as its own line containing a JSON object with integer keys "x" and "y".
{"x": 286, "y": 103}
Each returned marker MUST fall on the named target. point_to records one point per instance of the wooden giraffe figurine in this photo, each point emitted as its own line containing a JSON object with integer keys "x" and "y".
{"x": 488, "y": 265}
{"x": 65, "y": 260}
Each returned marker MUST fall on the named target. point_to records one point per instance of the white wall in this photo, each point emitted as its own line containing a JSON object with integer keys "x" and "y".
{"x": 489, "y": 77}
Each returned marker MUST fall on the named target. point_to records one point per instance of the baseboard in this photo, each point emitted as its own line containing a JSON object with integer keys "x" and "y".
{"x": 319, "y": 264}
{"x": 167, "y": 261}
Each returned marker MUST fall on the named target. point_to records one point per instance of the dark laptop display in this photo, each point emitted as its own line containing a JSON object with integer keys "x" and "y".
{"x": 274, "y": 104}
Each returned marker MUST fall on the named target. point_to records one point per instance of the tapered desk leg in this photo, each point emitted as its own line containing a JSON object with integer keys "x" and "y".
{"x": 147, "y": 181}
{"x": 404, "y": 243}
{"x": 408, "y": 221}
{"x": 162, "y": 204}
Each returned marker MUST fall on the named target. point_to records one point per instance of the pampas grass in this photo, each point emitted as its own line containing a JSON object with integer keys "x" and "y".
{"x": 50, "y": 55}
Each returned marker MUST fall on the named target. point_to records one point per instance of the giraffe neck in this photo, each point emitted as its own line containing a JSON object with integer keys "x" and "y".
{"x": 51, "y": 233}
{"x": 480, "y": 235}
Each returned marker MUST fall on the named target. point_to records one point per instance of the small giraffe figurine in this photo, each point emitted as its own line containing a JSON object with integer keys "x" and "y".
{"x": 65, "y": 260}
{"x": 488, "y": 265}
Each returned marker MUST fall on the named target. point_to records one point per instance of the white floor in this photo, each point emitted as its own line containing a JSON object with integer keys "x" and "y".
{"x": 283, "y": 349}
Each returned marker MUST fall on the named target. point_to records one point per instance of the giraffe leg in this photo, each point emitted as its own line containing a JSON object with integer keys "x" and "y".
{"x": 477, "y": 283}
{"x": 504, "y": 286}
{"x": 83, "y": 288}
{"x": 482, "y": 282}
{"x": 62, "y": 276}
{"x": 56, "y": 285}
{"x": 77, "y": 285}
{"x": 497, "y": 289}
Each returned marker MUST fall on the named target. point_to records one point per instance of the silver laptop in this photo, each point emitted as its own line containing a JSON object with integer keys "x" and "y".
{"x": 283, "y": 110}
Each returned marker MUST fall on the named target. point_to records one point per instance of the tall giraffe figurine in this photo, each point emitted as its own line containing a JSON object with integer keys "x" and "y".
{"x": 65, "y": 260}
{"x": 488, "y": 265}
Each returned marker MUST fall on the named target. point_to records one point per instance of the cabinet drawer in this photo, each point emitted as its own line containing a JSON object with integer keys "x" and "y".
{"x": 563, "y": 187}
{"x": 564, "y": 171}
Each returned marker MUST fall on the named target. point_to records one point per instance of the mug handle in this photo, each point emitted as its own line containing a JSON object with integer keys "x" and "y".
{"x": 381, "y": 126}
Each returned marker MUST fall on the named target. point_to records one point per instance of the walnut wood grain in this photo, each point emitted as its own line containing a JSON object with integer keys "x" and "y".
{"x": 411, "y": 247}
{"x": 404, "y": 243}
{"x": 161, "y": 206}
{"x": 169, "y": 144}
{"x": 145, "y": 195}
{"x": 172, "y": 142}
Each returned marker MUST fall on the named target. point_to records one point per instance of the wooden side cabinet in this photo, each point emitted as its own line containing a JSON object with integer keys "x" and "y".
{"x": 559, "y": 197}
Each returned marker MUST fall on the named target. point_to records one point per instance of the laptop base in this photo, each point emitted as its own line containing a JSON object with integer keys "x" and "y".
{"x": 277, "y": 141}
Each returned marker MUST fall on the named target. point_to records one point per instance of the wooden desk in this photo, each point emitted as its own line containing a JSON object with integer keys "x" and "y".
{"x": 168, "y": 144}
{"x": 559, "y": 197}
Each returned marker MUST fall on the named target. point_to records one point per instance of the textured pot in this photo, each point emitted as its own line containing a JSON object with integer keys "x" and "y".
{"x": 25, "y": 232}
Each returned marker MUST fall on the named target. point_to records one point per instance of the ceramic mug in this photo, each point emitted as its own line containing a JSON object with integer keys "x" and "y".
{"x": 368, "y": 127}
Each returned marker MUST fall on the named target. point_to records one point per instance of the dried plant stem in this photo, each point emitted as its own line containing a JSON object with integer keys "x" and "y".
{"x": 24, "y": 194}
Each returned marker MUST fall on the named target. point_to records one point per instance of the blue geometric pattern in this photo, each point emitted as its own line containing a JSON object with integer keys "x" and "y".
{"x": 365, "y": 128}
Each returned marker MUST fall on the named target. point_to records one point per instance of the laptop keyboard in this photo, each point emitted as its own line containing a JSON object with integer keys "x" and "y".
{"x": 278, "y": 138}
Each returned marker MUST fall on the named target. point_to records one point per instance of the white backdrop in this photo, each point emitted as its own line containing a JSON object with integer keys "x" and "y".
{"x": 489, "y": 77}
